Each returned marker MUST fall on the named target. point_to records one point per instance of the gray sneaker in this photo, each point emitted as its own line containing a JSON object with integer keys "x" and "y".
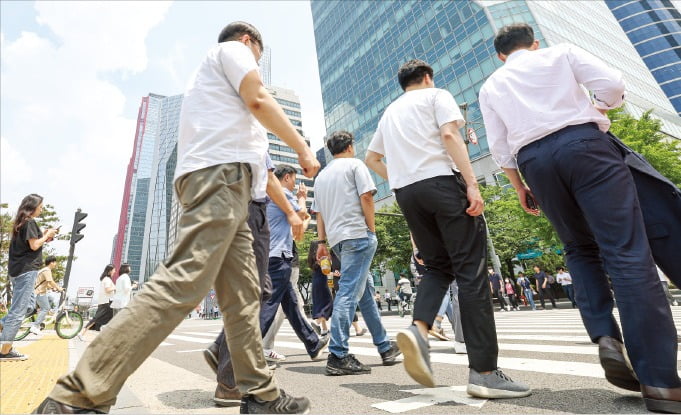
{"x": 317, "y": 353}
{"x": 495, "y": 385}
{"x": 416, "y": 356}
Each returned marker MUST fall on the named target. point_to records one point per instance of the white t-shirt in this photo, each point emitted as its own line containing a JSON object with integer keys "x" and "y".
{"x": 408, "y": 135}
{"x": 216, "y": 127}
{"x": 104, "y": 284}
{"x": 123, "y": 292}
{"x": 564, "y": 279}
{"x": 336, "y": 196}
{"x": 405, "y": 285}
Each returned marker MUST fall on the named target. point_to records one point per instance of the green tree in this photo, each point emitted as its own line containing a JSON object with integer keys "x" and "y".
{"x": 643, "y": 136}
{"x": 5, "y": 238}
{"x": 394, "y": 246}
{"x": 49, "y": 219}
{"x": 305, "y": 278}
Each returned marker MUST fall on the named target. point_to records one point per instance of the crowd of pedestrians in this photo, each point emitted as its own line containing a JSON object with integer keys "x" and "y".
{"x": 241, "y": 218}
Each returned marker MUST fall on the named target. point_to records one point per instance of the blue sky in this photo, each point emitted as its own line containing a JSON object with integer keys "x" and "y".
{"x": 73, "y": 74}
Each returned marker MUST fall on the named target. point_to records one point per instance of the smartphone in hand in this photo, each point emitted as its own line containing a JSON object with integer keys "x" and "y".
{"x": 531, "y": 203}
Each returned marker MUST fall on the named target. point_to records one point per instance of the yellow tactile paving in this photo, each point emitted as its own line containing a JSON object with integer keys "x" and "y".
{"x": 23, "y": 385}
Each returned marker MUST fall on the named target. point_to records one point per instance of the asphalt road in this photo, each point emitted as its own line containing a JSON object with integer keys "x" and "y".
{"x": 548, "y": 350}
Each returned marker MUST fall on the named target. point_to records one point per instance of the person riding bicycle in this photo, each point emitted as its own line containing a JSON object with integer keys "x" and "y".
{"x": 43, "y": 283}
{"x": 405, "y": 291}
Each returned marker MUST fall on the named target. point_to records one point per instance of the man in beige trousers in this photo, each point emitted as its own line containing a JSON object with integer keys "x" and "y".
{"x": 221, "y": 165}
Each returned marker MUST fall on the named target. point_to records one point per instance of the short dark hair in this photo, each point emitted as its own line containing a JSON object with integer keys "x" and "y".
{"x": 413, "y": 72}
{"x": 235, "y": 30}
{"x": 284, "y": 169}
{"x": 50, "y": 259}
{"x": 124, "y": 269}
{"x": 339, "y": 141}
{"x": 560, "y": 269}
{"x": 512, "y": 37}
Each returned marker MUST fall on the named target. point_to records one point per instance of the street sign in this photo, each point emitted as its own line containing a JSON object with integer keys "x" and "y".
{"x": 86, "y": 292}
{"x": 472, "y": 137}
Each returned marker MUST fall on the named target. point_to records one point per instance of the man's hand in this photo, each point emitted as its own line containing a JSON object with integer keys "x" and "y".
{"x": 475, "y": 200}
{"x": 523, "y": 194}
{"x": 296, "y": 224}
{"x": 308, "y": 162}
{"x": 322, "y": 251}
{"x": 302, "y": 191}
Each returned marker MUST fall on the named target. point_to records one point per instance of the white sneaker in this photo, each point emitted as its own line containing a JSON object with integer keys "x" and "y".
{"x": 675, "y": 303}
{"x": 460, "y": 348}
{"x": 34, "y": 330}
{"x": 272, "y": 356}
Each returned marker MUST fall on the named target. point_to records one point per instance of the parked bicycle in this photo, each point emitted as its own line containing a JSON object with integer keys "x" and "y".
{"x": 67, "y": 323}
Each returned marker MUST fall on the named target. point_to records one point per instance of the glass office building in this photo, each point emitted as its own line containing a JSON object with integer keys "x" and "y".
{"x": 156, "y": 246}
{"x": 361, "y": 44}
{"x": 654, "y": 28}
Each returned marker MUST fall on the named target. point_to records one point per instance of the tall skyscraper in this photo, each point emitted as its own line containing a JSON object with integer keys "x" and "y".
{"x": 144, "y": 189}
{"x": 266, "y": 66}
{"x": 654, "y": 28}
{"x": 280, "y": 152}
{"x": 361, "y": 45}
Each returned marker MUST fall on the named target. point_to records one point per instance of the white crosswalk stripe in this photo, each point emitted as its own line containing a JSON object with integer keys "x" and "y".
{"x": 558, "y": 335}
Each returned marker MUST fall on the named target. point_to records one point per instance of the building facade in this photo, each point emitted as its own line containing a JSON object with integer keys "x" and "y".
{"x": 654, "y": 29}
{"x": 361, "y": 44}
{"x": 265, "y": 66}
{"x": 144, "y": 191}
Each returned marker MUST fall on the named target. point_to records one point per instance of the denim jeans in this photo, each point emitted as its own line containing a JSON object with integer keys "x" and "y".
{"x": 44, "y": 304}
{"x": 54, "y": 297}
{"x": 23, "y": 300}
{"x": 530, "y": 297}
{"x": 355, "y": 287}
{"x": 450, "y": 308}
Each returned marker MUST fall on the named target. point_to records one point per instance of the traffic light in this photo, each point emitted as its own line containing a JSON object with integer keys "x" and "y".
{"x": 78, "y": 227}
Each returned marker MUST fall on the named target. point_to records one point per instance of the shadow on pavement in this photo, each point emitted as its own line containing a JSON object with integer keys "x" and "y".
{"x": 582, "y": 401}
{"x": 382, "y": 391}
{"x": 308, "y": 370}
{"x": 187, "y": 399}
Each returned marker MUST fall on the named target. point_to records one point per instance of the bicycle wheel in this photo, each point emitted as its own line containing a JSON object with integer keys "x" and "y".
{"x": 25, "y": 328}
{"x": 68, "y": 324}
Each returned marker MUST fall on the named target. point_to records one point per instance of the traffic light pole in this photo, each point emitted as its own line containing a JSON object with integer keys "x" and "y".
{"x": 75, "y": 237}
{"x": 67, "y": 272}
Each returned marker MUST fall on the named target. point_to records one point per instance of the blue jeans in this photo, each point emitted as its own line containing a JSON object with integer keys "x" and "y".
{"x": 450, "y": 308}
{"x": 22, "y": 301}
{"x": 44, "y": 304}
{"x": 54, "y": 298}
{"x": 530, "y": 297}
{"x": 570, "y": 292}
{"x": 355, "y": 287}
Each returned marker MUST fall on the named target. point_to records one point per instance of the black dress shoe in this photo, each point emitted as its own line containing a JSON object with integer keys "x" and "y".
{"x": 617, "y": 372}
{"x": 50, "y": 406}
{"x": 666, "y": 400}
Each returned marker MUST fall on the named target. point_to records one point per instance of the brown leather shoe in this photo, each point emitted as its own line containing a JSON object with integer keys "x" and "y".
{"x": 211, "y": 356}
{"x": 667, "y": 400}
{"x": 50, "y": 406}
{"x": 611, "y": 354}
{"x": 226, "y": 396}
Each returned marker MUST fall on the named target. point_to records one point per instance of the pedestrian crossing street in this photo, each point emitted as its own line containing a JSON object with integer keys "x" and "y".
{"x": 548, "y": 341}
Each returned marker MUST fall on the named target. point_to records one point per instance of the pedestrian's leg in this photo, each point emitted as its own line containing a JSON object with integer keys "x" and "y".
{"x": 593, "y": 205}
{"x": 370, "y": 312}
{"x": 268, "y": 339}
{"x": 458, "y": 329}
{"x": 44, "y": 305}
{"x": 530, "y": 298}
{"x": 215, "y": 208}
{"x": 22, "y": 286}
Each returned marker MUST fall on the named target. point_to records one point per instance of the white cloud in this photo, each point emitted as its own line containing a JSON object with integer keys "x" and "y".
{"x": 63, "y": 128}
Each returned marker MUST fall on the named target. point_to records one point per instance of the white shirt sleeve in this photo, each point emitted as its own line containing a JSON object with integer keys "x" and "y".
{"x": 237, "y": 61}
{"x": 606, "y": 83}
{"x": 446, "y": 109}
{"x": 376, "y": 145}
{"x": 363, "y": 180}
{"x": 497, "y": 134}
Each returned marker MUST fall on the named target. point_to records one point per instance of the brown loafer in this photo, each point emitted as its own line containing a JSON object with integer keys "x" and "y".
{"x": 666, "y": 400}
{"x": 226, "y": 396}
{"x": 617, "y": 372}
{"x": 50, "y": 406}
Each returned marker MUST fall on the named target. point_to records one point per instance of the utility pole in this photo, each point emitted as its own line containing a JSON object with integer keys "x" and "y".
{"x": 496, "y": 263}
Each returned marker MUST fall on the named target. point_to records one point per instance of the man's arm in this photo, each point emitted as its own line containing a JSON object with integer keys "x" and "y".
{"x": 322, "y": 250}
{"x": 606, "y": 83}
{"x": 270, "y": 114}
{"x": 523, "y": 191}
{"x": 453, "y": 142}
{"x": 276, "y": 193}
{"x": 367, "y": 202}
{"x": 375, "y": 162}
{"x": 50, "y": 282}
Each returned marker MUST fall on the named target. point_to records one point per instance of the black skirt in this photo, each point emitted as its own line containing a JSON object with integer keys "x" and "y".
{"x": 103, "y": 315}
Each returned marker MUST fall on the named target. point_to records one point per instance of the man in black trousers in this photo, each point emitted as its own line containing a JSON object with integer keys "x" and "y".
{"x": 419, "y": 136}
{"x": 540, "y": 123}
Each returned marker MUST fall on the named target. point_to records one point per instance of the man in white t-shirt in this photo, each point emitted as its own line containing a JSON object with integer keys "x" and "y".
{"x": 220, "y": 166}
{"x": 344, "y": 203}
{"x": 419, "y": 136}
{"x": 565, "y": 280}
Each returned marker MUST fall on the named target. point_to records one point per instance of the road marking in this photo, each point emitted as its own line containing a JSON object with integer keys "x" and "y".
{"x": 428, "y": 397}
{"x": 165, "y": 344}
{"x": 189, "y": 339}
{"x": 191, "y": 351}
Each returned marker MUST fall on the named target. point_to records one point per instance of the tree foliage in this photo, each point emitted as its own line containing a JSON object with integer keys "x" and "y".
{"x": 643, "y": 136}
{"x": 394, "y": 246}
